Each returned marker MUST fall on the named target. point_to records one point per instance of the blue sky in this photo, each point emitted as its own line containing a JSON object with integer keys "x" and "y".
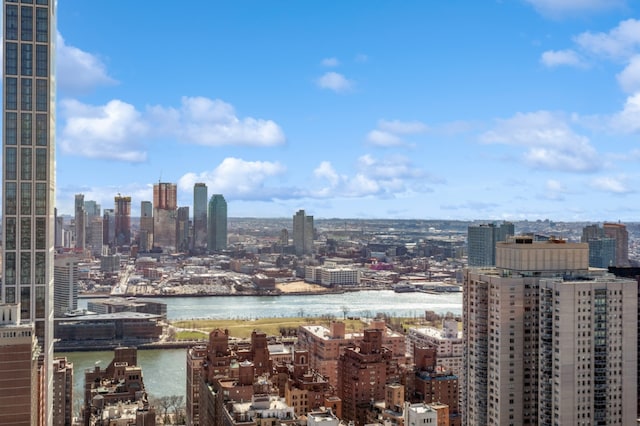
{"x": 458, "y": 109}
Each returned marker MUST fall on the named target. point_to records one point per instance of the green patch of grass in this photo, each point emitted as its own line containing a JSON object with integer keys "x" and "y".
{"x": 190, "y": 335}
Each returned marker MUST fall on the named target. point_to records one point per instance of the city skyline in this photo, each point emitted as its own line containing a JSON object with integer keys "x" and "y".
{"x": 505, "y": 110}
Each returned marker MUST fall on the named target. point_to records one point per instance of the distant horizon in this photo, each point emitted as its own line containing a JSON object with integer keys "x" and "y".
{"x": 515, "y": 110}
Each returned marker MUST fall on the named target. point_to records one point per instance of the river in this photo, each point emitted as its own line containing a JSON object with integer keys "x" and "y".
{"x": 164, "y": 371}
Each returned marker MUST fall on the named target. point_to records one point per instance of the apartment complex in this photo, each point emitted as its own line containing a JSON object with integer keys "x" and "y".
{"x": 537, "y": 325}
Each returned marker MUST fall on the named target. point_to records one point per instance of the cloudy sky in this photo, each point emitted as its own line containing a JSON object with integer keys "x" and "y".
{"x": 465, "y": 109}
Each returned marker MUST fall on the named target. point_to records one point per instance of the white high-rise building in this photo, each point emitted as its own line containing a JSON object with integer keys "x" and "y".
{"x": 544, "y": 335}
{"x": 28, "y": 178}
{"x": 302, "y": 233}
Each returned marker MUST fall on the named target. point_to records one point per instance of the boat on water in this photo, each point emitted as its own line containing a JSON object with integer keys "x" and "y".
{"x": 403, "y": 288}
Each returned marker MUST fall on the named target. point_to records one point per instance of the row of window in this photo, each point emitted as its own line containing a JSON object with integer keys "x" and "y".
{"x": 26, "y": 94}
{"x": 26, "y": 164}
{"x": 11, "y": 239}
{"x": 26, "y": 23}
{"x": 26, "y": 59}
{"x": 26, "y": 129}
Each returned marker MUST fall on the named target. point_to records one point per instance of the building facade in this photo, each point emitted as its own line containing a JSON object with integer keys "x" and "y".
{"x": 165, "y": 216}
{"x": 66, "y": 285}
{"x": 28, "y": 178}
{"x": 80, "y": 218}
{"x": 482, "y": 239}
{"x": 619, "y": 232}
{"x": 122, "y": 216}
{"x": 200, "y": 198}
{"x": 217, "y": 226}
{"x": 145, "y": 239}
{"x": 302, "y": 233}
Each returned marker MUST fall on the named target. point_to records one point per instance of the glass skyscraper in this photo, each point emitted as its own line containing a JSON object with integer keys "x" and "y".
{"x": 199, "y": 216}
{"x": 28, "y": 179}
{"x": 217, "y": 223}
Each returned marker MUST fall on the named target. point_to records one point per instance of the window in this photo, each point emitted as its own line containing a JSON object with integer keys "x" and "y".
{"x": 42, "y": 60}
{"x": 11, "y": 22}
{"x": 25, "y": 136}
{"x": 42, "y": 25}
{"x": 26, "y": 21}
{"x": 25, "y": 301}
{"x": 41, "y": 129}
{"x": 26, "y": 162}
{"x": 41, "y": 234}
{"x": 11, "y": 199}
{"x": 25, "y": 198}
{"x": 26, "y": 61}
{"x": 10, "y": 164}
{"x": 41, "y": 168}
{"x": 11, "y": 293}
{"x": 25, "y": 268}
{"x": 43, "y": 2}
{"x": 27, "y": 94}
{"x": 11, "y": 91}
{"x": 40, "y": 298}
{"x": 11, "y": 127}
{"x": 10, "y": 238}
{"x": 11, "y": 58}
{"x": 25, "y": 233}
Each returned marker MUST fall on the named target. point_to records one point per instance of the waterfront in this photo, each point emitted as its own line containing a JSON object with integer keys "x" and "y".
{"x": 359, "y": 303}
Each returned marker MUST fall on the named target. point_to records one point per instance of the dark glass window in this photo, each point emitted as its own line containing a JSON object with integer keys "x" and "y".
{"x": 10, "y": 240}
{"x": 25, "y": 135}
{"x": 25, "y": 233}
{"x": 41, "y": 199}
{"x": 40, "y": 292}
{"x": 11, "y": 22}
{"x": 11, "y": 91}
{"x": 42, "y": 60}
{"x": 25, "y": 268}
{"x": 11, "y": 127}
{"x": 11, "y": 292}
{"x": 25, "y": 295}
{"x": 10, "y": 268}
{"x": 26, "y": 21}
{"x": 41, "y": 129}
{"x": 25, "y": 198}
{"x": 41, "y": 166}
{"x": 42, "y": 25}
{"x": 42, "y": 97}
{"x": 26, "y": 163}
{"x": 11, "y": 198}
{"x": 11, "y": 58}
{"x": 26, "y": 61}
{"x": 27, "y": 94}
{"x": 11, "y": 163}
{"x": 43, "y": 2}
{"x": 41, "y": 233}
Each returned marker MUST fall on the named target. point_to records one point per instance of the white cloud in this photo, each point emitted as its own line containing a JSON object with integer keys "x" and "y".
{"x": 213, "y": 122}
{"x": 239, "y": 179}
{"x": 78, "y": 71}
{"x": 326, "y": 171}
{"x": 383, "y": 139}
{"x": 111, "y": 131}
{"x": 330, "y": 62}
{"x": 554, "y": 190}
{"x": 627, "y": 120}
{"x": 617, "y": 185}
{"x": 550, "y": 142}
{"x": 554, "y": 58}
{"x": 560, "y": 8}
{"x": 619, "y": 43}
{"x": 334, "y": 81}
{"x": 402, "y": 127}
{"x": 629, "y": 77}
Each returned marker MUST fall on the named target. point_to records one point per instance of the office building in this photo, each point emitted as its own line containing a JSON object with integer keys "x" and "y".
{"x": 200, "y": 198}
{"x": 19, "y": 376}
{"x": 65, "y": 280}
{"x": 302, "y": 233}
{"x": 619, "y": 232}
{"x": 62, "y": 392}
{"x": 482, "y": 239}
{"x": 165, "y": 216}
{"x": 80, "y": 220}
{"x": 28, "y": 178}
{"x": 59, "y": 229}
{"x": 109, "y": 227}
{"x": 217, "y": 223}
{"x": 602, "y": 248}
{"x": 539, "y": 321}
{"x": 122, "y": 217}
{"x": 182, "y": 229}
{"x": 145, "y": 240}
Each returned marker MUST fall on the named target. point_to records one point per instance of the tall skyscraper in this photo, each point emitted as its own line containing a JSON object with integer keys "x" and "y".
{"x": 618, "y": 231}
{"x": 200, "y": 198}
{"x": 80, "y": 218}
{"x": 28, "y": 178}
{"x": 302, "y": 233}
{"x": 217, "y": 226}
{"x": 182, "y": 229}
{"x": 602, "y": 249}
{"x": 146, "y": 226}
{"x": 481, "y": 242}
{"x": 66, "y": 285}
{"x": 109, "y": 227}
{"x": 122, "y": 214}
{"x": 165, "y": 216}
{"x": 546, "y": 340}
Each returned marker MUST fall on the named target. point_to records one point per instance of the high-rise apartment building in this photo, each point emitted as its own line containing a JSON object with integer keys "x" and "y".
{"x": 165, "y": 216}
{"x": 217, "y": 226}
{"x": 95, "y": 236}
{"x": 482, "y": 239}
{"x": 62, "y": 392}
{"x": 122, "y": 216}
{"x": 544, "y": 335}
{"x": 146, "y": 226}
{"x": 80, "y": 219}
{"x": 66, "y": 285}
{"x": 302, "y": 233}
{"x": 109, "y": 227}
{"x": 28, "y": 178}
{"x": 200, "y": 198}
{"x": 619, "y": 232}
